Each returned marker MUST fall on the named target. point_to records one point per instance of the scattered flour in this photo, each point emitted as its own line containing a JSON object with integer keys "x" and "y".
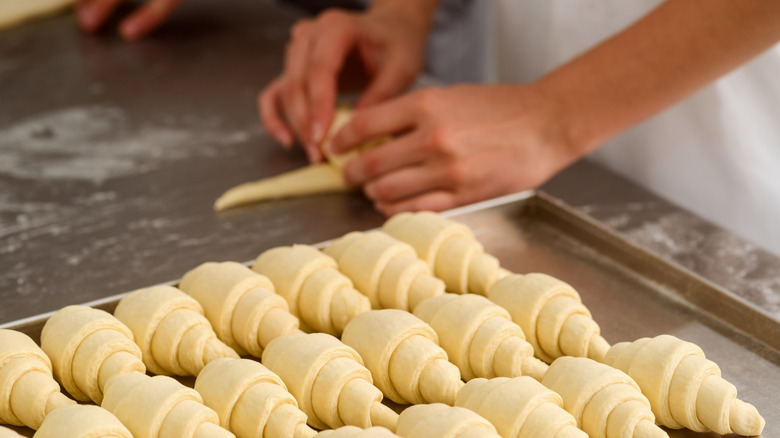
{"x": 720, "y": 256}
{"x": 98, "y": 143}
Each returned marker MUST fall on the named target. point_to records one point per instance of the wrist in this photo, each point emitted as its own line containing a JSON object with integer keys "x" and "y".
{"x": 415, "y": 15}
{"x": 580, "y": 123}
{"x": 559, "y": 121}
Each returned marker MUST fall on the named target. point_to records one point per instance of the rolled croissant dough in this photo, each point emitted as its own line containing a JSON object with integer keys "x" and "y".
{"x": 310, "y": 180}
{"x": 16, "y": 12}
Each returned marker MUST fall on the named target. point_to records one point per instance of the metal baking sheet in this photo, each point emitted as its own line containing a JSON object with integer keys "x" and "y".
{"x": 632, "y": 293}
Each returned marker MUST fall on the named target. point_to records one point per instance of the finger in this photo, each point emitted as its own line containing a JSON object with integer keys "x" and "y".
{"x": 295, "y": 109}
{"x": 392, "y": 78}
{"x": 405, "y": 183}
{"x": 327, "y": 59}
{"x": 294, "y": 92}
{"x": 147, "y": 18}
{"x": 389, "y": 118}
{"x": 94, "y": 13}
{"x": 269, "y": 102}
{"x": 396, "y": 154}
{"x": 432, "y": 201}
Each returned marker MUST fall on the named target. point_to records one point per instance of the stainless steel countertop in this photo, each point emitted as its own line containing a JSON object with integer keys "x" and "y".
{"x": 111, "y": 155}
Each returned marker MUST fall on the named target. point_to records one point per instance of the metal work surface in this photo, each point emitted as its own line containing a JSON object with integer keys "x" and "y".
{"x": 111, "y": 155}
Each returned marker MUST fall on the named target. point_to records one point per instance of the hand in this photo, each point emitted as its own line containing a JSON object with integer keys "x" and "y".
{"x": 456, "y": 146}
{"x": 93, "y": 14}
{"x": 300, "y": 103}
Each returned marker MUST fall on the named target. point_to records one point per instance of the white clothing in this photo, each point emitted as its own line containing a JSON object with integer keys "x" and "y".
{"x": 716, "y": 154}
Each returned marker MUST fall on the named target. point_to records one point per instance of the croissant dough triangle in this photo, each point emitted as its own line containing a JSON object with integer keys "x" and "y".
{"x": 310, "y": 180}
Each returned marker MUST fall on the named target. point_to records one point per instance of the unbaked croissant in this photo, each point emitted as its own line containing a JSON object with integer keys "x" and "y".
{"x": 384, "y": 269}
{"x": 169, "y": 326}
{"x": 605, "y": 401}
{"x": 250, "y": 400}
{"x": 160, "y": 407}
{"x": 88, "y": 347}
{"x": 479, "y": 337}
{"x": 28, "y": 392}
{"x": 442, "y": 421}
{"x": 404, "y": 357}
{"x": 450, "y": 250}
{"x": 551, "y": 314}
{"x": 328, "y": 380}
{"x": 240, "y": 304}
{"x": 81, "y": 421}
{"x": 684, "y": 388}
{"x": 313, "y": 287}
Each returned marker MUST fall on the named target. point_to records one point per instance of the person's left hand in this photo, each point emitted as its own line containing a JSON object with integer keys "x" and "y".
{"x": 93, "y": 14}
{"x": 456, "y": 146}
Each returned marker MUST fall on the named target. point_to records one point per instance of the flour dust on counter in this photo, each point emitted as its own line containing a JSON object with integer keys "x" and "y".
{"x": 732, "y": 262}
{"x": 98, "y": 143}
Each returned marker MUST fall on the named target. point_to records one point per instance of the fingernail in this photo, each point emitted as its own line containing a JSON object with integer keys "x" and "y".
{"x": 313, "y": 152}
{"x": 284, "y": 138}
{"x": 317, "y": 132}
{"x": 129, "y": 30}
{"x": 370, "y": 191}
{"x": 88, "y": 18}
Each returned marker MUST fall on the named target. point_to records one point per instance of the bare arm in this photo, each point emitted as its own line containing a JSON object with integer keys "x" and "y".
{"x": 466, "y": 143}
{"x": 663, "y": 58}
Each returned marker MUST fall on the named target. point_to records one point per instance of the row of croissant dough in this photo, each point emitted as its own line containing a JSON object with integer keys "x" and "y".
{"x": 533, "y": 358}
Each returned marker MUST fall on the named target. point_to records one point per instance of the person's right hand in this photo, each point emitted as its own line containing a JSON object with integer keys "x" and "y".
{"x": 300, "y": 103}
{"x": 93, "y": 14}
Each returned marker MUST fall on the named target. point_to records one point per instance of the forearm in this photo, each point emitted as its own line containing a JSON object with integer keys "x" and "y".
{"x": 666, "y": 56}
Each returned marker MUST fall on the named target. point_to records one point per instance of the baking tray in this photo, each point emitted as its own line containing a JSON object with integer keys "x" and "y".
{"x": 631, "y": 292}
